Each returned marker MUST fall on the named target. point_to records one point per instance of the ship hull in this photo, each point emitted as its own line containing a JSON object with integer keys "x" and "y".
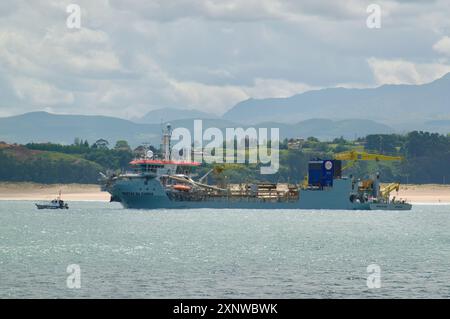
{"x": 149, "y": 194}
{"x": 390, "y": 206}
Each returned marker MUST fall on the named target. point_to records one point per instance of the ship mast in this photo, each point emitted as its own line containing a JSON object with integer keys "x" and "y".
{"x": 166, "y": 148}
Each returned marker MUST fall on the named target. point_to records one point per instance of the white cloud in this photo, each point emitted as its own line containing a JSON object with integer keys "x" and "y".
{"x": 217, "y": 99}
{"x": 443, "y": 46}
{"x": 74, "y": 52}
{"x": 399, "y": 71}
{"x": 231, "y": 10}
{"x": 208, "y": 98}
{"x": 40, "y": 93}
{"x": 132, "y": 56}
{"x": 266, "y": 88}
{"x": 248, "y": 10}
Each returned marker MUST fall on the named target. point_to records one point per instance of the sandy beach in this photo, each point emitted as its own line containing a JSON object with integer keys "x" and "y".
{"x": 429, "y": 193}
{"x": 426, "y": 193}
{"x": 70, "y": 192}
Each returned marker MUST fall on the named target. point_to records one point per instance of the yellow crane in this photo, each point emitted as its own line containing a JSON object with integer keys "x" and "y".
{"x": 386, "y": 191}
{"x": 354, "y": 156}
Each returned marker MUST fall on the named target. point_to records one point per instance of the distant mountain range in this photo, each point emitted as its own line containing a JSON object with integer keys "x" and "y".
{"x": 403, "y": 106}
{"x": 46, "y": 127}
{"x": 325, "y": 114}
{"x": 171, "y": 114}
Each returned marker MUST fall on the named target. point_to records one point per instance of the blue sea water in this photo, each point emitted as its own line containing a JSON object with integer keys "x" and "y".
{"x": 222, "y": 253}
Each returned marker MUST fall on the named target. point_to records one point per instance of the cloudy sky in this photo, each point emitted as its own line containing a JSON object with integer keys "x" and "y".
{"x": 133, "y": 56}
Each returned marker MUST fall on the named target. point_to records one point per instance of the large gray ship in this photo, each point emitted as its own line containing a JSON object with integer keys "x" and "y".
{"x": 164, "y": 183}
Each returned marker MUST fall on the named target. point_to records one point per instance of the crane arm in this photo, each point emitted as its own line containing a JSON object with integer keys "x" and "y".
{"x": 363, "y": 156}
{"x": 220, "y": 168}
{"x": 388, "y": 189}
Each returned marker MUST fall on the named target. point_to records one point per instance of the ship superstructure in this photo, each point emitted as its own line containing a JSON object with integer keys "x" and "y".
{"x": 164, "y": 183}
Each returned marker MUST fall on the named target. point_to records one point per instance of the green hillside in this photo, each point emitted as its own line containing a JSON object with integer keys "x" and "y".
{"x": 18, "y": 163}
{"x": 426, "y": 155}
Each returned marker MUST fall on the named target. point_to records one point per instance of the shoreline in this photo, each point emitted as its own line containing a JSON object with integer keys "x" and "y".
{"x": 11, "y": 191}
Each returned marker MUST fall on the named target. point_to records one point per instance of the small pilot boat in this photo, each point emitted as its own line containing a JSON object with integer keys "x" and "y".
{"x": 57, "y": 203}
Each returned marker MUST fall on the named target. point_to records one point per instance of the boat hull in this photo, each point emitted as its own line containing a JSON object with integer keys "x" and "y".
{"x": 149, "y": 194}
{"x": 39, "y": 206}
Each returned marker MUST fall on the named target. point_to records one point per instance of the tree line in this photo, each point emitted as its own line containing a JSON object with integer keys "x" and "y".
{"x": 427, "y": 158}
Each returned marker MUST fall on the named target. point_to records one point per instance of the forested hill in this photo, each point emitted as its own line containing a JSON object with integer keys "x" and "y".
{"x": 54, "y": 163}
{"x": 18, "y": 163}
{"x": 427, "y": 158}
